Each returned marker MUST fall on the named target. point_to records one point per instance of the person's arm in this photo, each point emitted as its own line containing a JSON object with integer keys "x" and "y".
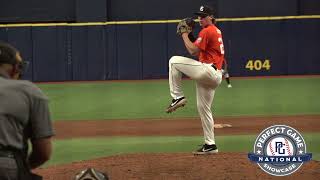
{"x": 225, "y": 64}
{"x": 41, "y": 152}
{"x": 192, "y": 49}
{"x": 41, "y": 129}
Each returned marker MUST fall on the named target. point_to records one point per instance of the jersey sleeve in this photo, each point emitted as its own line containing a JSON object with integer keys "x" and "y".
{"x": 40, "y": 119}
{"x": 41, "y": 125}
{"x": 201, "y": 41}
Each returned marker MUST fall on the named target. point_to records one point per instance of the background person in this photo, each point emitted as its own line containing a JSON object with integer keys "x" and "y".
{"x": 24, "y": 116}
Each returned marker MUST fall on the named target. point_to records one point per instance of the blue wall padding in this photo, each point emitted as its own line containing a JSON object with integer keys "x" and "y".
{"x": 252, "y": 8}
{"x": 80, "y": 53}
{"x": 129, "y": 51}
{"x": 68, "y": 60}
{"x": 257, "y": 40}
{"x": 112, "y": 50}
{"x": 47, "y": 43}
{"x": 154, "y": 46}
{"x": 152, "y": 10}
{"x": 3, "y": 34}
{"x": 93, "y": 11}
{"x": 37, "y": 11}
{"x": 96, "y": 53}
{"x": 303, "y": 55}
{"x": 21, "y": 38}
{"x": 309, "y": 7}
{"x": 142, "y": 51}
{"x": 124, "y": 10}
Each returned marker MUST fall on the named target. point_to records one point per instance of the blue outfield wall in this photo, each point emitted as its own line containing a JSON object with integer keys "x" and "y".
{"x": 117, "y": 10}
{"x": 142, "y": 51}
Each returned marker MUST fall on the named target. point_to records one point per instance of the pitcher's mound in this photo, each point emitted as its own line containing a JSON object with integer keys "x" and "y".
{"x": 176, "y": 166}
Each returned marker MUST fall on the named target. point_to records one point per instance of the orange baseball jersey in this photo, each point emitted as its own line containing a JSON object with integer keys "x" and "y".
{"x": 211, "y": 47}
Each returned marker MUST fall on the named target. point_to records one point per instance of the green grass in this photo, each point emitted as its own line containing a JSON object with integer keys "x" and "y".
{"x": 148, "y": 99}
{"x": 66, "y": 151}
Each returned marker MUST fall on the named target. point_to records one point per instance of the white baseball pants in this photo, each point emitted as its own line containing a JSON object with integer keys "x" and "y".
{"x": 207, "y": 79}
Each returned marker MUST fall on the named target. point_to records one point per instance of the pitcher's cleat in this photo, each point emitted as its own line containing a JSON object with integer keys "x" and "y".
{"x": 206, "y": 149}
{"x": 176, "y": 103}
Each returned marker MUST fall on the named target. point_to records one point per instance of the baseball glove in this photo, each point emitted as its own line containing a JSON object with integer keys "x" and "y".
{"x": 186, "y": 25}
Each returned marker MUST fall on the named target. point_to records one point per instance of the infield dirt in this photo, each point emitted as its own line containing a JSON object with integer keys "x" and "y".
{"x": 177, "y": 165}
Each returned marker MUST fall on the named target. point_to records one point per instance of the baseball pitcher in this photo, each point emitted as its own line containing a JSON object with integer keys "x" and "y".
{"x": 209, "y": 50}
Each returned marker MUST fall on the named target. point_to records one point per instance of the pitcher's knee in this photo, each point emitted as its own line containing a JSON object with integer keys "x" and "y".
{"x": 173, "y": 59}
{"x": 176, "y": 59}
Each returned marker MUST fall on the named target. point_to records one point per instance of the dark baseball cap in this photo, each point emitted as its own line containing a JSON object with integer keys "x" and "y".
{"x": 204, "y": 11}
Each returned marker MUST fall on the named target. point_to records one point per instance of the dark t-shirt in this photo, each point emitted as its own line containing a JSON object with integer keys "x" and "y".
{"x": 24, "y": 113}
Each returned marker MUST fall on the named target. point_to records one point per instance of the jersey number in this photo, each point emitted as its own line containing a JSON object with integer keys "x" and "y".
{"x": 221, "y": 45}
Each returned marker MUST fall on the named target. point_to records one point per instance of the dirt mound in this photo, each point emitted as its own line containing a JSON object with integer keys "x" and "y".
{"x": 176, "y": 166}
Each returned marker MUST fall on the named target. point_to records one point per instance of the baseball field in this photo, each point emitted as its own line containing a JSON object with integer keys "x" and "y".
{"x": 121, "y": 128}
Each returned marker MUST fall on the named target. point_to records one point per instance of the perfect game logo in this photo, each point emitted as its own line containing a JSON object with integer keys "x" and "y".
{"x": 280, "y": 150}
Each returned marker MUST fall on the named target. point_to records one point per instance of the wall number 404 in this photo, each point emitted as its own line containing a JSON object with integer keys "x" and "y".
{"x": 258, "y": 65}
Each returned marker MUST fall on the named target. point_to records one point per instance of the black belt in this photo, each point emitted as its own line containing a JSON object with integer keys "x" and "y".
{"x": 214, "y": 67}
{"x": 23, "y": 172}
{"x": 7, "y": 154}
